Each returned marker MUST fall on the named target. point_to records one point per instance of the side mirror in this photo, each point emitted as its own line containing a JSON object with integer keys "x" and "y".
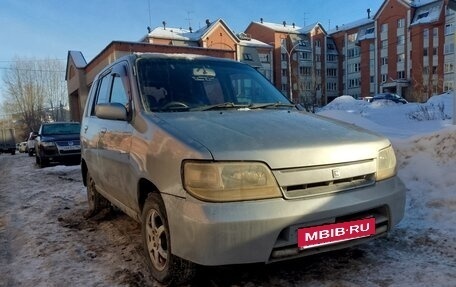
{"x": 111, "y": 111}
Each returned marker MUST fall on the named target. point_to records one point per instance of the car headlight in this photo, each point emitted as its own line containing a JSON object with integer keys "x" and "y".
{"x": 47, "y": 144}
{"x": 386, "y": 163}
{"x": 229, "y": 181}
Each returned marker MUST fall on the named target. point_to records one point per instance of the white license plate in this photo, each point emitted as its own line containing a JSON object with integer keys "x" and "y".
{"x": 70, "y": 147}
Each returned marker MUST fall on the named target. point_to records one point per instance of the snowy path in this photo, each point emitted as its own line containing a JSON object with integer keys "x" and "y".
{"x": 45, "y": 241}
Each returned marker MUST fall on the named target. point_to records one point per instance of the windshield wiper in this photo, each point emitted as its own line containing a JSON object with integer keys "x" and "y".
{"x": 227, "y": 105}
{"x": 271, "y": 105}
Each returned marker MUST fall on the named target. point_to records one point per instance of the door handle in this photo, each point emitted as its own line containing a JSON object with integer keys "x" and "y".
{"x": 85, "y": 128}
{"x": 103, "y": 130}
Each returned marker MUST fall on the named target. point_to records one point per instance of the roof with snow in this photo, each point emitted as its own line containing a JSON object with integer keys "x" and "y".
{"x": 186, "y": 34}
{"x": 427, "y": 14}
{"x": 284, "y": 28}
{"x": 78, "y": 59}
{"x": 352, "y": 25}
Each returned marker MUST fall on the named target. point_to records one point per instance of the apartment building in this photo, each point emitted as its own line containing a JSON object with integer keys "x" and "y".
{"x": 407, "y": 48}
{"x": 300, "y": 59}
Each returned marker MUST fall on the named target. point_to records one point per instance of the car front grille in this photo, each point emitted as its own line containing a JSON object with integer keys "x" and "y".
{"x": 326, "y": 179}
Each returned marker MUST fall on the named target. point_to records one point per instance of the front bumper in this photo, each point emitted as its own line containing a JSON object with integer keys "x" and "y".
{"x": 265, "y": 230}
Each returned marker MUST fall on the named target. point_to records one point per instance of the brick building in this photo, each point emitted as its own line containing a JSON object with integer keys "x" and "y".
{"x": 216, "y": 39}
{"x": 299, "y": 59}
{"x": 407, "y": 48}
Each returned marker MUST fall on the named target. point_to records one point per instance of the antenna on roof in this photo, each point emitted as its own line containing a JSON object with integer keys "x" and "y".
{"x": 189, "y": 19}
{"x": 284, "y": 23}
{"x": 208, "y": 23}
{"x": 368, "y": 13}
{"x": 164, "y": 25}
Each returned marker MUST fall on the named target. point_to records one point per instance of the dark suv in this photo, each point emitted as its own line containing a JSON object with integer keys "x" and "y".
{"x": 389, "y": 97}
{"x": 58, "y": 142}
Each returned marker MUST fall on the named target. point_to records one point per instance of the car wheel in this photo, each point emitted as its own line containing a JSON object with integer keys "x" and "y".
{"x": 41, "y": 162}
{"x": 164, "y": 266}
{"x": 30, "y": 152}
{"x": 95, "y": 200}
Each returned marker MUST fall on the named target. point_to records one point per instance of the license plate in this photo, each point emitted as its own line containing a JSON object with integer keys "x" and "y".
{"x": 315, "y": 236}
{"x": 70, "y": 147}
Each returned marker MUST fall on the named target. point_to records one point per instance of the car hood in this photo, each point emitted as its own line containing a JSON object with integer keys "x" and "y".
{"x": 280, "y": 138}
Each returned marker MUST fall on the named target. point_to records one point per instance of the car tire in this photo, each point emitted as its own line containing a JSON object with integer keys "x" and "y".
{"x": 41, "y": 162}
{"x": 165, "y": 267}
{"x": 95, "y": 200}
{"x": 30, "y": 152}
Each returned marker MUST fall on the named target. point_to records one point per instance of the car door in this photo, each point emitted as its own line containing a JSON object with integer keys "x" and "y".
{"x": 114, "y": 143}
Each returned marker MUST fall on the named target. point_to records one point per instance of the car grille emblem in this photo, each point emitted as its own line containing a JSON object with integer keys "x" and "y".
{"x": 70, "y": 143}
{"x": 336, "y": 173}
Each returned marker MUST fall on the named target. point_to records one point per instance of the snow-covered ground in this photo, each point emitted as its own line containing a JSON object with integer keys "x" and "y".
{"x": 45, "y": 241}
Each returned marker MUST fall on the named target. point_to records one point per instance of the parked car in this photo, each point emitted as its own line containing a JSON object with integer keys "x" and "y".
{"x": 389, "y": 97}
{"x": 7, "y": 141}
{"x": 31, "y": 143}
{"x": 58, "y": 142}
{"x": 220, "y": 168}
{"x": 22, "y": 147}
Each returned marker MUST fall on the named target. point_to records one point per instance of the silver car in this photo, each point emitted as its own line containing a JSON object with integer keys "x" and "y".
{"x": 220, "y": 168}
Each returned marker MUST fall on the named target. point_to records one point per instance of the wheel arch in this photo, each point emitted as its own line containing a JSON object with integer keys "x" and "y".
{"x": 145, "y": 187}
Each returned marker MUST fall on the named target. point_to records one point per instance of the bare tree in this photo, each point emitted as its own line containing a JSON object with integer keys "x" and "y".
{"x": 34, "y": 91}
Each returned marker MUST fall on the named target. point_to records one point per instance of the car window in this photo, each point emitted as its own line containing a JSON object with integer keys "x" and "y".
{"x": 118, "y": 94}
{"x": 192, "y": 84}
{"x": 60, "y": 129}
{"x": 103, "y": 92}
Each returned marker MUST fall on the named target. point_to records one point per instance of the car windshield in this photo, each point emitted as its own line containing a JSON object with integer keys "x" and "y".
{"x": 61, "y": 129}
{"x": 180, "y": 84}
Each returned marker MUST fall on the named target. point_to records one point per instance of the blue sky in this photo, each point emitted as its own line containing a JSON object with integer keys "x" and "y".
{"x": 49, "y": 28}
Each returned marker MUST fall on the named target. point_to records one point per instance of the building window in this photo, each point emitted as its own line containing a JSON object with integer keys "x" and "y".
{"x": 305, "y": 71}
{"x": 354, "y": 83}
{"x": 434, "y": 51}
{"x": 401, "y": 40}
{"x": 384, "y": 78}
{"x": 384, "y": 60}
{"x": 304, "y": 55}
{"x": 284, "y": 72}
{"x": 426, "y": 70}
{"x": 331, "y": 72}
{"x": 400, "y": 57}
{"x": 449, "y": 48}
{"x": 247, "y": 57}
{"x": 423, "y": 15}
{"x": 448, "y": 86}
{"x": 330, "y": 46}
{"x": 372, "y": 79}
{"x": 283, "y": 57}
{"x": 425, "y": 52}
{"x": 264, "y": 58}
{"x": 401, "y": 23}
{"x": 318, "y": 72}
{"x": 331, "y": 86}
{"x": 434, "y": 70}
{"x": 353, "y": 68}
{"x": 401, "y": 74}
{"x": 449, "y": 29}
{"x": 352, "y": 53}
{"x": 317, "y": 43}
{"x": 331, "y": 58}
{"x": 426, "y": 33}
{"x": 384, "y": 27}
{"x": 384, "y": 44}
{"x": 352, "y": 37}
{"x": 435, "y": 32}
{"x": 449, "y": 67}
